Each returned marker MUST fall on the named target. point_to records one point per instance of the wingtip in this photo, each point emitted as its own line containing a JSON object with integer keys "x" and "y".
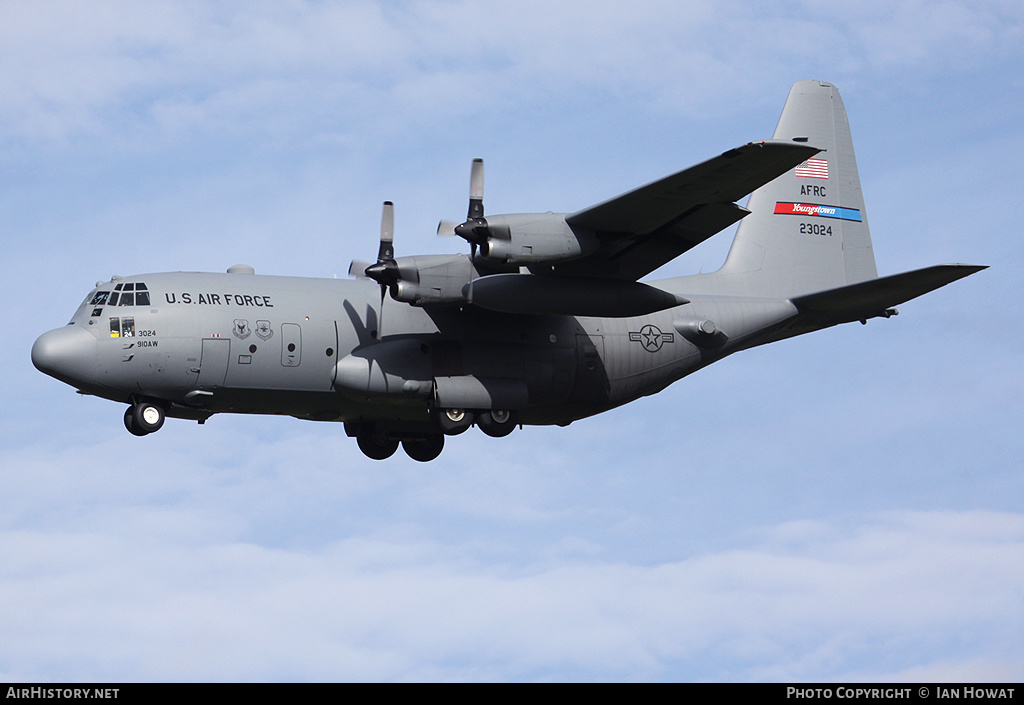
{"x": 974, "y": 268}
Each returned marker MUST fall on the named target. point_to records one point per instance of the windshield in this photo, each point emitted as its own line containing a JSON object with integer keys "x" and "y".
{"x": 124, "y": 294}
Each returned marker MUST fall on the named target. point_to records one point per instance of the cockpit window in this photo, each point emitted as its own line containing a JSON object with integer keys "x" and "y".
{"x": 124, "y": 294}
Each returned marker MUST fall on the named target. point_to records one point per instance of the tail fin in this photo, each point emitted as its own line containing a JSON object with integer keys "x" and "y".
{"x": 808, "y": 230}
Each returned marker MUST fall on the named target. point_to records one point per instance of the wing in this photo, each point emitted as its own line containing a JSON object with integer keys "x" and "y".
{"x": 643, "y": 229}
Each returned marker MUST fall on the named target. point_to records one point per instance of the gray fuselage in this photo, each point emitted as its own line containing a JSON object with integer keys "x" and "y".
{"x": 245, "y": 343}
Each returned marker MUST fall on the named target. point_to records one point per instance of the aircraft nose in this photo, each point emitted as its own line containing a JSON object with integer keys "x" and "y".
{"x": 68, "y": 354}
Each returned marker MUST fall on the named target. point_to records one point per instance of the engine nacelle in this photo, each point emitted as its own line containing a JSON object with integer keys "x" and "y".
{"x": 432, "y": 280}
{"x": 524, "y": 239}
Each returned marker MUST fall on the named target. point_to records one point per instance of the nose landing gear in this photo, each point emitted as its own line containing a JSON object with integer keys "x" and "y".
{"x": 143, "y": 418}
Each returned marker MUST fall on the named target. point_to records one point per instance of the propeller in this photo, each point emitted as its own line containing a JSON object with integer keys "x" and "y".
{"x": 474, "y": 230}
{"x": 385, "y": 271}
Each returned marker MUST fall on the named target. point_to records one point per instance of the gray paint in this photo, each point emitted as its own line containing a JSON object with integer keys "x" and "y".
{"x": 391, "y": 358}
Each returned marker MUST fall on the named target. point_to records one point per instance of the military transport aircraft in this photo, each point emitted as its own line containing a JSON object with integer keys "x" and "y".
{"x": 543, "y": 322}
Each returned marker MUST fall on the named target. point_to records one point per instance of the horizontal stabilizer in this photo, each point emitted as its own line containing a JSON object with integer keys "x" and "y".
{"x": 568, "y": 296}
{"x": 871, "y": 298}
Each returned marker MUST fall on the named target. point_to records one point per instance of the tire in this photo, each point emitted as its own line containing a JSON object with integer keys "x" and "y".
{"x": 497, "y": 423}
{"x": 452, "y": 422}
{"x": 129, "y": 422}
{"x": 147, "y": 417}
{"x": 424, "y": 449}
{"x": 376, "y": 446}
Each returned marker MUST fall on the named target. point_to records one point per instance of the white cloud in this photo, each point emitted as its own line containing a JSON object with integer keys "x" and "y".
{"x": 875, "y": 597}
{"x": 157, "y": 70}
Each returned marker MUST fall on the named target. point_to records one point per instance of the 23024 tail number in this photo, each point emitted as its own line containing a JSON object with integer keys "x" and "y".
{"x": 815, "y": 229}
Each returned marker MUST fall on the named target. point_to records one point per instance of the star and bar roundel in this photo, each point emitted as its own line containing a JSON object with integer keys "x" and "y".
{"x": 651, "y": 338}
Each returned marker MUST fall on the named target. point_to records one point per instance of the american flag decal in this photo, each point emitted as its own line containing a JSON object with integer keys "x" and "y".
{"x": 813, "y": 169}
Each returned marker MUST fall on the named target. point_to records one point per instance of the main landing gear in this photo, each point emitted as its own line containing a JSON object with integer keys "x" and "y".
{"x": 424, "y": 449}
{"x": 375, "y": 445}
{"x": 378, "y": 445}
{"x": 422, "y": 444}
{"x": 497, "y": 423}
{"x": 452, "y": 422}
{"x": 494, "y": 422}
{"x": 143, "y": 417}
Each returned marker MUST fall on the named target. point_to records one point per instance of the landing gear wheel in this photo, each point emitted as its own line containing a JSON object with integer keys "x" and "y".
{"x": 452, "y": 422}
{"x": 376, "y": 445}
{"x": 497, "y": 423}
{"x": 424, "y": 449}
{"x": 129, "y": 422}
{"x": 146, "y": 417}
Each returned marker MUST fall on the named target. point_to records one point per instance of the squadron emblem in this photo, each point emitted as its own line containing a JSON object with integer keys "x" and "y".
{"x": 263, "y": 330}
{"x": 242, "y": 330}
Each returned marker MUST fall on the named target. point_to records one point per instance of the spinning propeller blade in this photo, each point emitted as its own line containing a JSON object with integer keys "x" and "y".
{"x": 474, "y": 230}
{"x": 387, "y": 233}
{"x": 476, "y": 190}
{"x": 385, "y": 271}
{"x": 446, "y": 228}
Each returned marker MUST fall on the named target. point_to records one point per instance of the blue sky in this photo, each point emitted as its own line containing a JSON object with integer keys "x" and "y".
{"x": 845, "y": 505}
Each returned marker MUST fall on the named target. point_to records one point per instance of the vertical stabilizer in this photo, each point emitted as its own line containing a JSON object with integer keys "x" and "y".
{"x": 808, "y": 229}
